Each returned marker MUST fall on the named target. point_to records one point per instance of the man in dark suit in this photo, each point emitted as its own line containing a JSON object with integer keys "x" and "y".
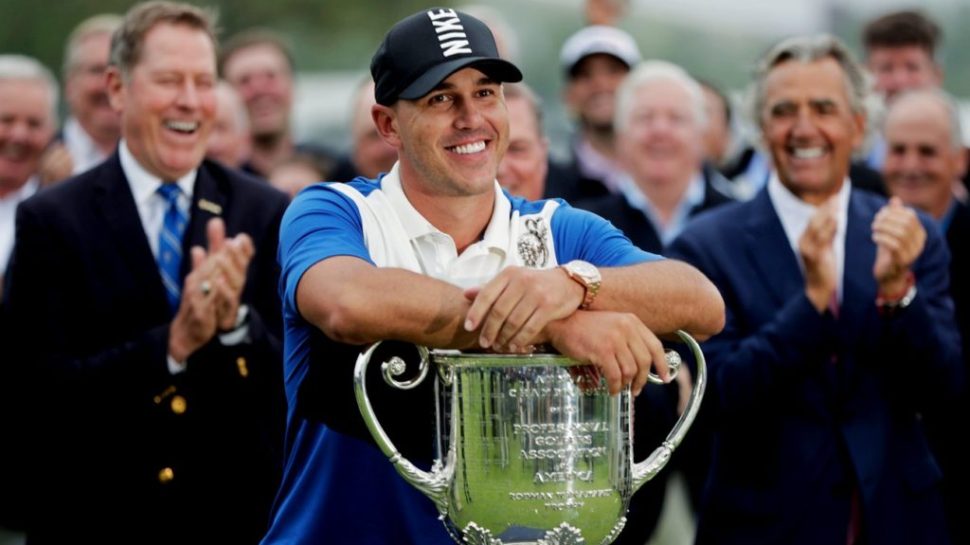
{"x": 924, "y": 159}
{"x": 147, "y": 336}
{"x": 660, "y": 119}
{"x": 839, "y": 331}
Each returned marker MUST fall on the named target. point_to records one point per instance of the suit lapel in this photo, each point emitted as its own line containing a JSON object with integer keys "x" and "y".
{"x": 117, "y": 206}
{"x": 768, "y": 250}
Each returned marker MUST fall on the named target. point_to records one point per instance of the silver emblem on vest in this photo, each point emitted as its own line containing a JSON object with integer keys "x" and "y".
{"x": 532, "y": 244}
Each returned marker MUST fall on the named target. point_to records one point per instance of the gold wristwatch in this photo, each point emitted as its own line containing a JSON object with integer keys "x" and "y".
{"x": 588, "y": 276}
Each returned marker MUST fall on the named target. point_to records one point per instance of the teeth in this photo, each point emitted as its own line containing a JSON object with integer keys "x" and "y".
{"x": 474, "y": 147}
{"x": 13, "y": 152}
{"x": 808, "y": 153}
{"x": 182, "y": 126}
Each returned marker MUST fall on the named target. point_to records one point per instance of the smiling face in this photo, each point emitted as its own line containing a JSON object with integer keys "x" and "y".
{"x": 922, "y": 160}
{"x": 167, "y": 101}
{"x": 25, "y": 129}
{"x": 661, "y": 142}
{"x": 86, "y": 92}
{"x": 261, "y": 74}
{"x": 523, "y": 169}
{"x": 809, "y": 126}
{"x": 591, "y": 91}
{"x": 451, "y": 140}
{"x": 902, "y": 68}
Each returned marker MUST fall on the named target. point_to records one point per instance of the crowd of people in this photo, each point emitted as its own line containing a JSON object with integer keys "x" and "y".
{"x": 183, "y": 302}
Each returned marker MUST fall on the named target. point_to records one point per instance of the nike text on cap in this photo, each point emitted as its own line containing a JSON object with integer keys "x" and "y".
{"x": 422, "y": 50}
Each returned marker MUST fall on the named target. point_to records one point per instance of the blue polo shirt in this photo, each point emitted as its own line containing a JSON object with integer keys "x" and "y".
{"x": 340, "y": 489}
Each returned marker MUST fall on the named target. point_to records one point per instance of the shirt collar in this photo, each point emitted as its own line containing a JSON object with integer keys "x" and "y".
{"x": 693, "y": 197}
{"x": 143, "y": 183}
{"x": 417, "y": 227}
{"x": 81, "y": 146}
{"x": 29, "y": 188}
{"x": 593, "y": 164}
{"x": 795, "y": 213}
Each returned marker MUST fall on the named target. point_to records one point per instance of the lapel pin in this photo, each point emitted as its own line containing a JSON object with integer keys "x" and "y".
{"x": 210, "y": 207}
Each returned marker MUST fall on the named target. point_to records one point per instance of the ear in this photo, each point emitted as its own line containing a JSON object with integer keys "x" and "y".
{"x": 960, "y": 162}
{"x": 385, "y": 119}
{"x": 116, "y": 88}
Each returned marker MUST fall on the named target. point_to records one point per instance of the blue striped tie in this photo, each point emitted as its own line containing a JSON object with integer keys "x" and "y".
{"x": 170, "y": 243}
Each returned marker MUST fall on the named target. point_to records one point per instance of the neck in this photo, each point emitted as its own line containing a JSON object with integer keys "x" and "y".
{"x": 267, "y": 150}
{"x": 665, "y": 197}
{"x": 939, "y": 210}
{"x": 106, "y": 145}
{"x": 463, "y": 218}
{"x": 601, "y": 140}
{"x": 8, "y": 188}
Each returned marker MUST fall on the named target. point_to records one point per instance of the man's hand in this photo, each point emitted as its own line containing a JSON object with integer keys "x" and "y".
{"x": 818, "y": 256}
{"x": 230, "y": 259}
{"x": 617, "y": 343}
{"x": 55, "y": 165}
{"x": 195, "y": 322}
{"x": 212, "y": 290}
{"x": 518, "y": 303}
{"x": 899, "y": 238}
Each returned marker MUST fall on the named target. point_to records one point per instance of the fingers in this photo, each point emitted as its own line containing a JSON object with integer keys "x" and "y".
{"x": 499, "y": 313}
{"x": 896, "y": 230}
{"x": 198, "y": 257}
{"x": 471, "y": 294}
{"x": 520, "y": 328}
{"x": 226, "y": 303}
{"x": 215, "y": 232}
{"x": 609, "y": 368}
{"x": 515, "y": 306}
{"x": 820, "y": 232}
{"x": 482, "y": 305}
{"x": 650, "y": 354}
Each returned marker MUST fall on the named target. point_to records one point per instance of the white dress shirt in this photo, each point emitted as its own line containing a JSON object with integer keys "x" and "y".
{"x": 795, "y": 214}
{"x": 693, "y": 197}
{"x": 8, "y": 213}
{"x": 84, "y": 152}
{"x": 151, "y": 205}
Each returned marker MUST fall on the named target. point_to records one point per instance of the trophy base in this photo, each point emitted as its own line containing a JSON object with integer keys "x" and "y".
{"x": 564, "y": 534}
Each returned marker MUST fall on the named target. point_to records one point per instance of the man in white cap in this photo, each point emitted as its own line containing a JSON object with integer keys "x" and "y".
{"x": 431, "y": 254}
{"x": 595, "y": 60}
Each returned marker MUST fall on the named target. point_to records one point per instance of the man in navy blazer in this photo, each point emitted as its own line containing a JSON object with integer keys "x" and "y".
{"x": 155, "y": 409}
{"x": 839, "y": 331}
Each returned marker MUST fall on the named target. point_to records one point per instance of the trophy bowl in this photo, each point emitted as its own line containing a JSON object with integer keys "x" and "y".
{"x": 532, "y": 449}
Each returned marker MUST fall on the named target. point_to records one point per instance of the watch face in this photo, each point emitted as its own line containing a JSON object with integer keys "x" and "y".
{"x": 584, "y": 269}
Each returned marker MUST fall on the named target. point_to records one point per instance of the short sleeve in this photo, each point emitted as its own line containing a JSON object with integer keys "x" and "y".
{"x": 579, "y": 234}
{"x": 320, "y": 223}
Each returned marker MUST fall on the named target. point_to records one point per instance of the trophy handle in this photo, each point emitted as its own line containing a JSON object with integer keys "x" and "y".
{"x": 433, "y": 484}
{"x": 648, "y": 469}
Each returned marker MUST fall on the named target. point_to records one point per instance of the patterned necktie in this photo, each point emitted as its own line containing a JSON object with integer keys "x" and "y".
{"x": 170, "y": 243}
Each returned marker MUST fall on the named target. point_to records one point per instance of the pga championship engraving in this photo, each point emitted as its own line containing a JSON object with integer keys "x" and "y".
{"x": 532, "y": 449}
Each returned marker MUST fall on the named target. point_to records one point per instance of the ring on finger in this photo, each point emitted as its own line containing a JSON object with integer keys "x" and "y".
{"x": 205, "y": 287}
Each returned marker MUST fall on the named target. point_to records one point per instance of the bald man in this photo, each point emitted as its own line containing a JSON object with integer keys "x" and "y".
{"x": 925, "y": 158}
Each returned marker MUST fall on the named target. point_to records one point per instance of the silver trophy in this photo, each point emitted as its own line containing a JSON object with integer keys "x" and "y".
{"x": 532, "y": 449}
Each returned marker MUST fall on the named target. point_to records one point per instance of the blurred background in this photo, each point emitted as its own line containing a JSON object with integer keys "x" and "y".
{"x": 333, "y": 40}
